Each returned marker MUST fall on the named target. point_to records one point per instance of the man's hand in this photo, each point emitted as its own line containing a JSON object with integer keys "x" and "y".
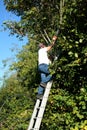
{"x": 53, "y": 42}
{"x": 54, "y": 38}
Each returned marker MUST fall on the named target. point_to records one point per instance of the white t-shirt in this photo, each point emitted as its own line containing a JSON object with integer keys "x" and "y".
{"x": 43, "y": 57}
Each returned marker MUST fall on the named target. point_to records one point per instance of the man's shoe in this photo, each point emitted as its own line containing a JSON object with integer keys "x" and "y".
{"x": 39, "y": 96}
{"x": 43, "y": 85}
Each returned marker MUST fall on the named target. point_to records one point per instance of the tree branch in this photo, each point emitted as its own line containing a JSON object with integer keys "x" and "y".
{"x": 44, "y": 37}
{"x": 47, "y": 36}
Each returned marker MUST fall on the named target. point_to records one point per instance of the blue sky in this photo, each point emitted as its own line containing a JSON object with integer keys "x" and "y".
{"x": 7, "y": 42}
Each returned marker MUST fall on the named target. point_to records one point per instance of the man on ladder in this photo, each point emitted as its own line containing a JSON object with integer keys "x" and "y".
{"x": 43, "y": 66}
{"x": 42, "y": 97}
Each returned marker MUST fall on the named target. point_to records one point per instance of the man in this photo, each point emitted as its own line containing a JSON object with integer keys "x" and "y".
{"x": 43, "y": 66}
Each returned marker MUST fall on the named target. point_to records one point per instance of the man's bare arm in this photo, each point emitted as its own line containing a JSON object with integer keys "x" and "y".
{"x": 53, "y": 42}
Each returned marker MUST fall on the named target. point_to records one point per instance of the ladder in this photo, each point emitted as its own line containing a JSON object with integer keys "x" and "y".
{"x": 39, "y": 109}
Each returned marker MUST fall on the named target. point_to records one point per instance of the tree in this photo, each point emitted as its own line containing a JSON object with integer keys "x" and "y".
{"x": 16, "y": 105}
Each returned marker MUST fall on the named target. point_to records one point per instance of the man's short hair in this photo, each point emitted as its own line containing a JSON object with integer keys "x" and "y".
{"x": 41, "y": 45}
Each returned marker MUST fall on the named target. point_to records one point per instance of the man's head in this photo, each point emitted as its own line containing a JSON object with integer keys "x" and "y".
{"x": 41, "y": 45}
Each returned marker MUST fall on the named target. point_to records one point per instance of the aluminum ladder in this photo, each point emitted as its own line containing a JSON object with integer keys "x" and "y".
{"x": 39, "y": 109}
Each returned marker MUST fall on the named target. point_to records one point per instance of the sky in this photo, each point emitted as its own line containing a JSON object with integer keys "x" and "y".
{"x": 7, "y": 42}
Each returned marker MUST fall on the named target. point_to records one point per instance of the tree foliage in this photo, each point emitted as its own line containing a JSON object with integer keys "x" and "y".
{"x": 67, "y": 104}
{"x": 16, "y": 104}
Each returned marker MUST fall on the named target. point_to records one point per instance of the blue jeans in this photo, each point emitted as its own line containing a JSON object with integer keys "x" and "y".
{"x": 45, "y": 76}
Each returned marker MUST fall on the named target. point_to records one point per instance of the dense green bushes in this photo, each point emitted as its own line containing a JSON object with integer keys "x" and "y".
{"x": 67, "y": 104}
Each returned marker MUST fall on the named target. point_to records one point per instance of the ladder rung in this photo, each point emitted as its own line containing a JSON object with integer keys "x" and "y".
{"x": 36, "y": 118}
{"x": 41, "y": 107}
